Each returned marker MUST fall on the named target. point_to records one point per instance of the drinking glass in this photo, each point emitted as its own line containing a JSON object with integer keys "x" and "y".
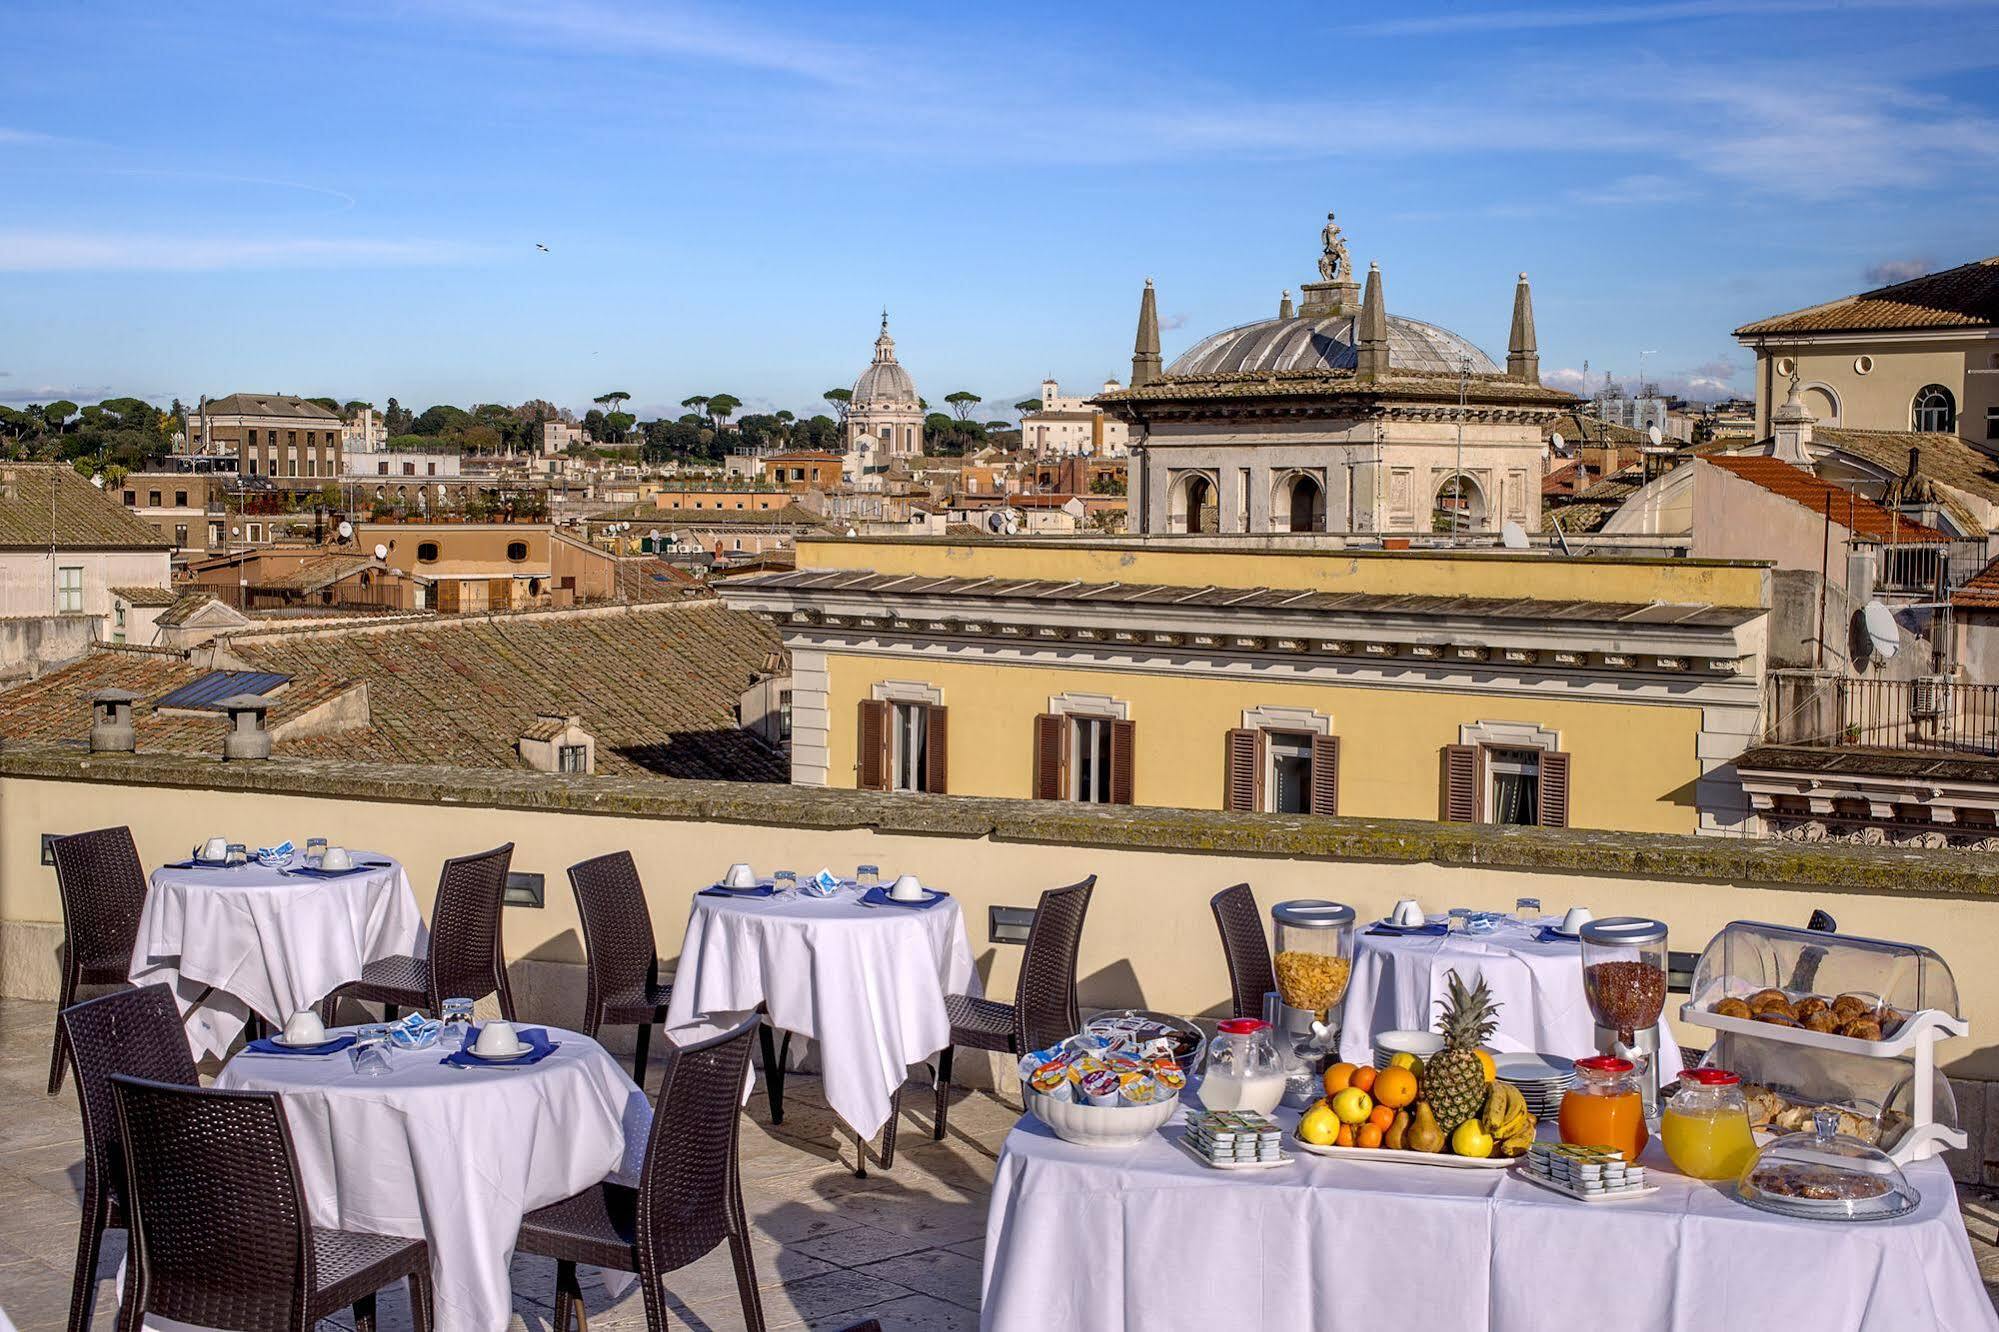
{"x": 457, "y": 1015}
{"x": 868, "y": 876}
{"x": 315, "y": 851}
{"x": 368, "y": 1059}
{"x": 1459, "y": 917}
{"x": 786, "y": 882}
{"x": 238, "y": 854}
{"x": 1526, "y": 908}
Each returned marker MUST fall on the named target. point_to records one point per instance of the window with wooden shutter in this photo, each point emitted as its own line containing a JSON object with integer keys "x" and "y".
{"x": 1050, "y": 756}
{"x": 934, "y": 760}
{"x": 1121, "y": 763}
{"x": 1554, "y": 793}
{"x": 871, "y": 760}
{"x": 1461, "y": 783}
{"x": 1325, "y": 774}
{"x": 1242, "y": 771}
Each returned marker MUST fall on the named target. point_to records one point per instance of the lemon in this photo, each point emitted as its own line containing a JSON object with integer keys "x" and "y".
{"x": 1471, "y": 1139}
{"x": 1319, "y": 1126}
{"x": 1403, "y": 1059}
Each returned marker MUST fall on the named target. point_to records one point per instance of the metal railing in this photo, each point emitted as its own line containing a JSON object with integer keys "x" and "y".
{"x": 1930, "y": 713}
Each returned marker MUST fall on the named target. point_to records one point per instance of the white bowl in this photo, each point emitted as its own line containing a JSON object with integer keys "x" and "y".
{"x": 1422, "y": 1044}
{"x": 1101, "y": 1125}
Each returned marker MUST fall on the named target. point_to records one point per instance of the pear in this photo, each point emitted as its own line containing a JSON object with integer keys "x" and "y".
{"x": 1397, "y": 1137}
{"x": 1425, "y": 1134}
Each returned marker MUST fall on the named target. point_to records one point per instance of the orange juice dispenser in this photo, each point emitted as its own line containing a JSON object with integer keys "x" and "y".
{"x": 1624, "y": 977}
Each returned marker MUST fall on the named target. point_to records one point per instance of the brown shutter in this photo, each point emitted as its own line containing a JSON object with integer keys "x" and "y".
{"x": 1461, "y": 767}
{"x": 1325, "y": 774}
{"x": 872, "y": 760}
{"x": 936, "y": 750}
{"x": 1242, "y": 770}
{"x": 1554, "y": 790}
{"x": 1049, "y": 733}
{"x": 1121, "y": 763}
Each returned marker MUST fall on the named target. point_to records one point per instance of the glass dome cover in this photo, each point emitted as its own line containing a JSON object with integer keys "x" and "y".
{"x": 1750, "y": 958}
{"x": 1824, "y": 1175}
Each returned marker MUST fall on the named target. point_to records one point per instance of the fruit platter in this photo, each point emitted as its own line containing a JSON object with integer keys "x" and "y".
{"x": 1448, "y": 1110}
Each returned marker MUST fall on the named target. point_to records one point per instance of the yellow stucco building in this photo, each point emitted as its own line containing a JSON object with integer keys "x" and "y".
{"x": 1486, "y": 685}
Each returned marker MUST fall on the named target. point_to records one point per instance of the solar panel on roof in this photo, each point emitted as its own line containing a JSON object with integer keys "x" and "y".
{"x": 215, "y": 686}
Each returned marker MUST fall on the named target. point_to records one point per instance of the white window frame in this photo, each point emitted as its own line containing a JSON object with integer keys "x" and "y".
{"x": 69, "y": 591}
{"x": 901, "y": 695}
{"x": 1500, "y": 763}
{"x": 1271, "y": 738}
{"x": 1283, "y": 721}
{"x": 1089, "y": 735}
{"x": 1502, "y": 735}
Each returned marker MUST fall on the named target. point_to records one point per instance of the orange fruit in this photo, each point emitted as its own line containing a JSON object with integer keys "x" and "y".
{"x": 1339, "y": 1077}
{"x": 1485, "y": 1059}
{"x": 1380, "y": 1117}
{"x": 1345, "y": 1137}
{"x": 1369, "y": 1136}
{"x": 1395, "y": 1087}
{"x": 1363, "y": 1078}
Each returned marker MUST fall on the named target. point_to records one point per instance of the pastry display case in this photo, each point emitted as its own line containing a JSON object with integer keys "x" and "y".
{"x": 1824, "y": 1175}
{"x": 1811, "y": 1019}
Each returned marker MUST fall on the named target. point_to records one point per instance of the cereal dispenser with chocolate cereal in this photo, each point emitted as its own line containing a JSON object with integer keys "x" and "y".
{"x": 1624, "y": 978}
{"x": 1313, "y": 959}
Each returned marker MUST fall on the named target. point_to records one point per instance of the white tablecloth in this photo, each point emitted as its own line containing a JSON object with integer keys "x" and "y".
{"x": 1397, "y": 981}
{"x": 866, "y": 983}
{"x": 454, "y": 1156}
{"x": 1147, "y": 1239}
{"x": 253, "y": 939}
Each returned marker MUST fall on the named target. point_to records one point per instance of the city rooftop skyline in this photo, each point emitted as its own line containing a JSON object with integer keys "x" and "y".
{"x": 354, "y": 203}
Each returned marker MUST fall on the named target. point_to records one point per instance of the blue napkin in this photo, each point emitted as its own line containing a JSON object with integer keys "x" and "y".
{"x": 535, "y": 1038}
{"x": 1397, "y": 931}
{"x": 269, "y": 1046}
{"x": 315, "y": 872}
{"x": 178, "y": 864}
{"x": 723, "y": 890}
{"x": 1549, "y": 934}
{"x": 878, "y": 896}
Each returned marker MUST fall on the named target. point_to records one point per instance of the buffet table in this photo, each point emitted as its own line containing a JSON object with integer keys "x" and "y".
{"x": 1148, "y": 1238}
{"x": 1398, "y": 979}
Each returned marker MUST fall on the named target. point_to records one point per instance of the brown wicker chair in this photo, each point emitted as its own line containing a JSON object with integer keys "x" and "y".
{"x": 220, "y": 1235}
{"x": 135, "y": 1032}
{"x": 465, "y": 961}
{"x": 1248, "y": 952}
{"x": 103, "y": 888}
{"x": 622, "y": 961}
{"x": 689, "y": 1197}
{"x": 1043, "y": 1010}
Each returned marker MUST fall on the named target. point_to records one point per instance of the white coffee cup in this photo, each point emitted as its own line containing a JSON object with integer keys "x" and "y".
{"x": 336, "y": 858}
{"x": 740, "y": 876}
{"x": 1575, "y": 919}
{"x": 304, "y": 1028}
{"x": 497, "y": 1040}
{"x": 1409, "y": 913}
{"x": 906, "y": 889}
{"x": 215, "y": 848}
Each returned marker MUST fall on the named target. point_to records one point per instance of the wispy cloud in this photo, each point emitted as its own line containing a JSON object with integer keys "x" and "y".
{"x": 1899, "y": 270}
{"x": 1703, "y": 382}
{"x": 1538, "y": 18}
{"x": 69, "y": 251}
{"x": 42, "y": 393}
{"x": 220, "y": 178}
{"x": 22, "y": 136}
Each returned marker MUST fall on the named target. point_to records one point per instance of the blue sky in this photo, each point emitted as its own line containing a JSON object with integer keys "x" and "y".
{"x": 346, "y": 200}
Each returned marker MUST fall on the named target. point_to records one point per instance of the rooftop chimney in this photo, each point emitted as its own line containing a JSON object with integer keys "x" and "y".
{"x": 111, "y": 721}
{"x": 246, "y": 738}
{"x": 1371, "y": 351}
{"x": 1791, "y": 429}
{"x": 1145, "y": 350}
{"x": 1523, "y": 358}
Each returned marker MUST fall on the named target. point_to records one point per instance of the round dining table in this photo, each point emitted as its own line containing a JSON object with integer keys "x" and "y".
{"x": 268, "y": 939}
{"x": 1148, "y": 1237}
{"x": 867, "y": 983}
{"x": 453, "y": 1155}
{"x": 1398, "y": 978}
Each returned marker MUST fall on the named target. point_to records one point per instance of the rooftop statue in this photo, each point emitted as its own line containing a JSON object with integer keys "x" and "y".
{"x": 1333, "y": 262}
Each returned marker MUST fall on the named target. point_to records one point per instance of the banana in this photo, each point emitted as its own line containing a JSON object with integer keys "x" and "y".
{"x": 1504, "y": 1106}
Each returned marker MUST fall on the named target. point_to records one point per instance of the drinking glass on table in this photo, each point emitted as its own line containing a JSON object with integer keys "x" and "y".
{"x": 868, "y": 876}
{"x": 1460, "y": 916}
{"x": 457, "y": 1015}
{"x": 1526, "y": 908}
{"x": 238, "y": 854}
{"x": 786, "y": 883}
{"x": 315, "y": 851}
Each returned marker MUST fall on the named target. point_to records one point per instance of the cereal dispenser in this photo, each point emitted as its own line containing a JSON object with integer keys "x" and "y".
{"x": 1624, "y": 978}
{"x": 1313, "y": 958}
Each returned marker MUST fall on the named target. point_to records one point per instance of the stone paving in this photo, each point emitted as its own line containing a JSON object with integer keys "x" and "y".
{"x": 902, "y": 1246}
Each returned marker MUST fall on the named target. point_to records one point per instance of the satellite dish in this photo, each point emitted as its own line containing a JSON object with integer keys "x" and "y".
{"x": 235, "y": 531}
{"x": 98, "y": 480}
{"x": 996, "y": 521}
{"x": 1512, "y": 535}
{"x": 346, "y": 529}
{"x": 853, "y": 531}
{"x": 1879, "y": 622}
{"x": 1012, "y": 522}
{"x": 1652, "y": 433}
{"x": 654, "y": 534}
{"x": 381, "y": 551}
{"x": 1560, "y": 445}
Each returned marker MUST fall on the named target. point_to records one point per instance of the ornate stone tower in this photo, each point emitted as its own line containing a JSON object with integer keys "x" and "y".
{"x": 1145, "y": 350}
{"x": 885, "y": 408}
{"x": 1523, "y": 358}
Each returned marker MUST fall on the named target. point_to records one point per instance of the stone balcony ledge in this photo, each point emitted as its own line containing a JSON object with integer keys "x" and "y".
{"x": 1819, "y": 867}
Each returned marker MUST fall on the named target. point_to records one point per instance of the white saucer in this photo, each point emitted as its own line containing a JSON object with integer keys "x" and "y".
{"x": 523, "y": 1049}
{"x": 281, "y": 1039}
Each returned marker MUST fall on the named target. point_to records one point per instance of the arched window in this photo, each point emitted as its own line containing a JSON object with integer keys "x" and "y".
{"x": 517, "y": 551}
{"x": 1934, "y": 411}
{"x": 426, "y": 552}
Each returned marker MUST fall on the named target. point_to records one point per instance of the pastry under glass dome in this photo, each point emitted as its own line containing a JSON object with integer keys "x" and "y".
{"x": 1824, "y": 1175}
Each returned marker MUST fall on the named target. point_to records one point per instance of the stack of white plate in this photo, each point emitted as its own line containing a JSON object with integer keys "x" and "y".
{"x": 1541, "y": 1078}
{"x": 1388, "y": 1044}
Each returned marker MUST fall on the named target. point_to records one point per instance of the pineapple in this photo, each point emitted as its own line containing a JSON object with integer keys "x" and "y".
{"x": 1454, "y": 1077}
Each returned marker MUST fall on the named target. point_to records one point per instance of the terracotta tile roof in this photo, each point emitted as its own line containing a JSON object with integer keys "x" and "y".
{"x": 544, "y": 728}
{"x": 1981, "y": 592}
{"x": 1858, "y": 514}
{"x": 268, "y": 404}
{"x": 1577, "y": 519}
{"x": 185, "y": 606}
{"x": 1963, "y": 297}
{"x": 1580, "y": 428}
{"x": 1943, "y": 458}
{"x": 657, "y": 686}
{"x": 146, "y": 596}
{"x": 34, "y": 495}
{"x": 313, "y": 574}
{"x": 648, "y": 579}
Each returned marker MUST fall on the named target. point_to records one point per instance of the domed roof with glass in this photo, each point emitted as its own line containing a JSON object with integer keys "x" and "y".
{"x": 1300, "y": 342}
{"x": 884, "y": 381}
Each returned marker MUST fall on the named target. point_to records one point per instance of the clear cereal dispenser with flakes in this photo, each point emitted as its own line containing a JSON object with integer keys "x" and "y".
{"x": 1313, "y": 959}
{"x": 1624, "y": 978}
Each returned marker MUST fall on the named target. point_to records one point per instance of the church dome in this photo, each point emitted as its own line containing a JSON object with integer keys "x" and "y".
{"x": 1327, "y": 343}
{"x": 885, "y": 382}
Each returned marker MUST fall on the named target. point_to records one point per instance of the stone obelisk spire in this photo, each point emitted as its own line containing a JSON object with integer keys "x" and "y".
{"x": 1523, "y": 358}
{"x": 1371, "y": 346}
{"x": 1145, "y": 351}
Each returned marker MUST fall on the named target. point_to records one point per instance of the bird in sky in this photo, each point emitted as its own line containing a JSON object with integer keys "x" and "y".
{"x": 539, "y": 246}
